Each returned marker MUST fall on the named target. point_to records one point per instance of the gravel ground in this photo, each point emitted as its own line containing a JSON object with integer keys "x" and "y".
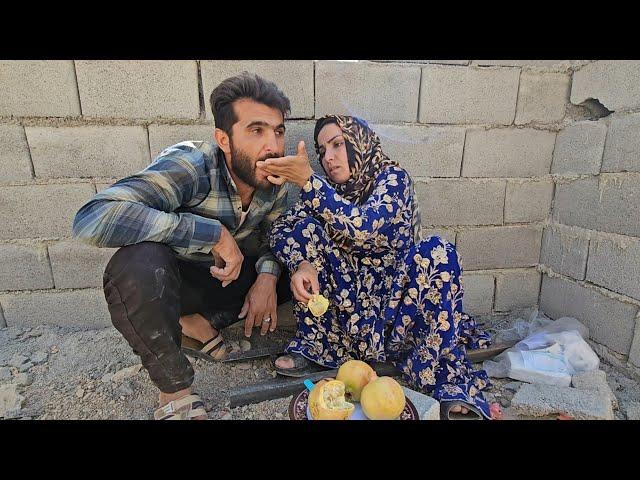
{"x": 69, "y": 374}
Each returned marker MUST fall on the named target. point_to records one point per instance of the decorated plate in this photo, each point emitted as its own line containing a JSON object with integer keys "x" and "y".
{"x": 299, "y": 409}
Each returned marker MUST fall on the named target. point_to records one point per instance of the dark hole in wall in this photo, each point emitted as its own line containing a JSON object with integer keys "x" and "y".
{"x": 594, "y": 110}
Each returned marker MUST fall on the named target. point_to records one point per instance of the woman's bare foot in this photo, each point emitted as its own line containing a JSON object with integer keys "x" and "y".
{"x": 285, "y": 362}
{"x": 197, "y": 327}
{"x": 169, "y": 397}
{"x": 459, "y": 409}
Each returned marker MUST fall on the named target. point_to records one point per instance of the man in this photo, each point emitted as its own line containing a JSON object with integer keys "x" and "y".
{"x": 193, "y": 230}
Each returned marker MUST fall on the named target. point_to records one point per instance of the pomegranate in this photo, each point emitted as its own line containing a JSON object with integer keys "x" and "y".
{"x": 382, "y": 399}
{"x": 355, "y": 374}
{"x": 327, "y": 402}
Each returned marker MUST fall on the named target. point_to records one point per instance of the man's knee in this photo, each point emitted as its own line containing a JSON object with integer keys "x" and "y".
{"x": 142, "y": 272}
{"x": 139, "y": 259}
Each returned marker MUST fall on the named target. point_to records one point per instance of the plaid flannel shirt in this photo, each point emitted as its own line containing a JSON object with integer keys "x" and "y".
{"x": 182, "y": 199}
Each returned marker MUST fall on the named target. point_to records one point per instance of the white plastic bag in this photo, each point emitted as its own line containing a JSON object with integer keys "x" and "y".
{"x": 551, "y": 353}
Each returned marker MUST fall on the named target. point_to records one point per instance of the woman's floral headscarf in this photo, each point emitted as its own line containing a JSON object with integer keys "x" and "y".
{"x": 366, "y": 161}
{"x": 366, "y": 158}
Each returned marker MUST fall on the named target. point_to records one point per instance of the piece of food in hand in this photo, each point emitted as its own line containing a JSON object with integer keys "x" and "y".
{"x": 327, "y": 402}
{"x": 355, "y": 375}
{"x": 318, "y": 305}
{"x": 382, "y": 399}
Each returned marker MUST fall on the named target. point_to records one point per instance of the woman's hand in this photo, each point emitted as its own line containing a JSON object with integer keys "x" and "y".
{"x": 305, "y": 277}
{"x": 292, "y": 168}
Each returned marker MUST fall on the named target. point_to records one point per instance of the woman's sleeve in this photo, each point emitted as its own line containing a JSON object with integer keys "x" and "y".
{"x": 284, "y": 240}
{"x": 385, "y": 209}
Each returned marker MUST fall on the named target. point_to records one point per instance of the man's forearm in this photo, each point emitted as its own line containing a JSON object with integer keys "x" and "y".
{"x": 110, "y": 223}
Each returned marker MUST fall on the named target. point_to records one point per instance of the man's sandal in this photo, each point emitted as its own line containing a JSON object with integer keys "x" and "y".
{"x": 213, "y": 350}
{"x": 184, "y": 408}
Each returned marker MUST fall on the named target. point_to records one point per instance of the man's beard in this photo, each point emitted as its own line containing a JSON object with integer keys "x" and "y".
{"x": 245, "y": 168}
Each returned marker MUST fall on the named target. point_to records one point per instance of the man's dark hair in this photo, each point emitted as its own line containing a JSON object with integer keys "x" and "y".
{"x": 245, "y": 85}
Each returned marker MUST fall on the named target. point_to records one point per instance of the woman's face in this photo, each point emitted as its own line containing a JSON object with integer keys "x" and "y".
{"x": 333, "y": 153}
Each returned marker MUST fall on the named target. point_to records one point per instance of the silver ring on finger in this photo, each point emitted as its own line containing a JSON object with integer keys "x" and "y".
{"x": 266, "y": 320}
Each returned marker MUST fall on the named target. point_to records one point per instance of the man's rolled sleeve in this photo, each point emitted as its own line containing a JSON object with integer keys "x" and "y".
{"x": 268, "y": 264}
{"x": 206, "y": 233}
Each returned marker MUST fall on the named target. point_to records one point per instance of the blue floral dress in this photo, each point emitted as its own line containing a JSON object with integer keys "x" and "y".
{"x": 393, "y": 297}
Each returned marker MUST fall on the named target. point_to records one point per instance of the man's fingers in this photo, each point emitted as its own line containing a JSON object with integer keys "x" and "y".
{"x": 248, "y": 326}
{"x": 276, "y": 180}
{"x": 250, "y": 322}
{"x": 221, "y": 273}
{"x": 274, "y": 318}
{"x": 244, "y": 309}
{"x": 230, "y": 272}
{"x": 265, "y": 325}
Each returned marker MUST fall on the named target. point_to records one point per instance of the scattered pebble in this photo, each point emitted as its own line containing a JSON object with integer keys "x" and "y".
{"x": 23, "y": 379}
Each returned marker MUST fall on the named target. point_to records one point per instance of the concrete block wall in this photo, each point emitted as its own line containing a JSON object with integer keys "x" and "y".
{"x": 482, "y": 138}
{"x": 590, "y": 254}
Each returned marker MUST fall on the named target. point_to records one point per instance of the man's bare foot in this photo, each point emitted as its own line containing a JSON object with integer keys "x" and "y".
{"x": 197, "y": 327}
{"x": 169, "y": 397}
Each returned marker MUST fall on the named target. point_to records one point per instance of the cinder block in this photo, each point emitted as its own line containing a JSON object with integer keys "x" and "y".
{"x": 72, "y": 308}
{"x": 77, "y": 265}
{"x": 92, "y": 151}
{"x": 622, "y": 150}
{"x": 442, "y": 62}
{"x": 565, "y": 252}
{"x": 460, "y": 201}
{"x": 428, "y": 407}
{"x": 527, "y": 63}
{"x": 478, "y": 293}
{"x": 615, "y": 264}
{"x": 528, "y": 201}
{"x": 517, "y": 289}
{"x": 139, "y": 89}
{"x": 41, "y": 210}
{"x": 15, "y": 163}
{"x": 163, "y": 136}
{"x": 446, "y": 234}
{"x": 613, "y": 82}
{"x": 610, "y": 321}
{"x": 594, "y": 380}
{"x": 499, "y": 247}
{"x": 293, "y": 77}
{"x": 374, "y": 92}
{"x": 542, "y": 97}
{"x": 508, "y": 153}
{"x": 301, "y": 130}
{"x": 424, "y": 151}
{"x": 543, "y": 400}
{"x": 464, "y": 95}
{"x": 24, "y": 267}
{"x": 579, "y": 148}
{"x": 609, "y": 203}
{"x": 102, "y": 185}
{"x": 38, "y": 88}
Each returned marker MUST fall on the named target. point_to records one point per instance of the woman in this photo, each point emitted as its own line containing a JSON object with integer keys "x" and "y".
{"x": 355, "y": 237}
